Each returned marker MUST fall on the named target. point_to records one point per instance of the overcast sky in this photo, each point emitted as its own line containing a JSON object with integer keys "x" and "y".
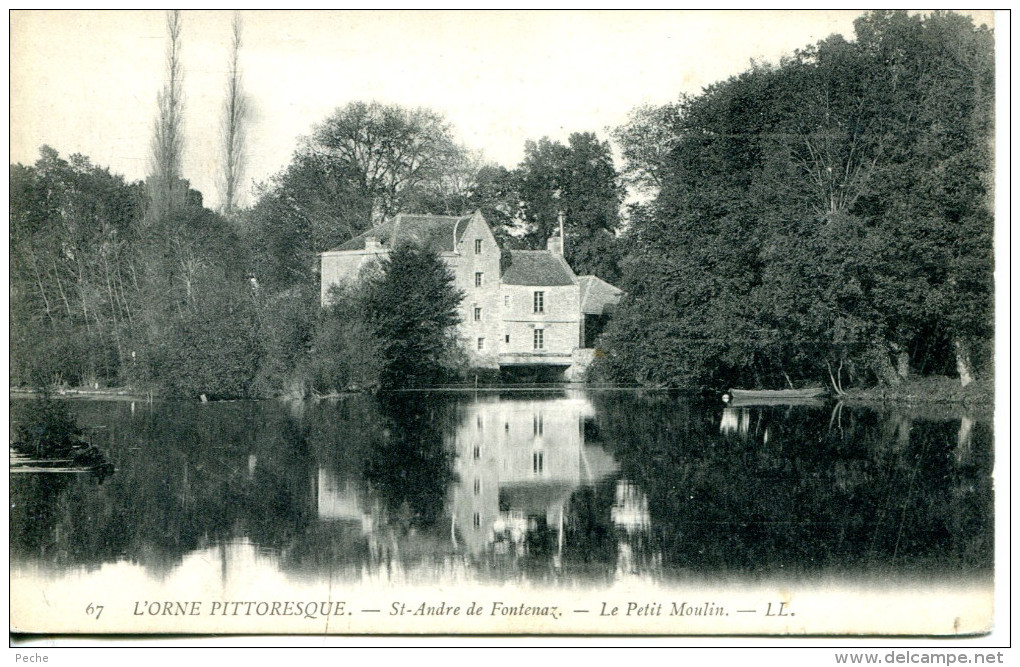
{"x": 86, "y": 82}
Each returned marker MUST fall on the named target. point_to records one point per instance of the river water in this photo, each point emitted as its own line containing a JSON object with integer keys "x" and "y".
{"x": 555, "y": 492}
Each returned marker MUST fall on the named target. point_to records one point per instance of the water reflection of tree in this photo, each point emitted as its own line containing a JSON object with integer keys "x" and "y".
{"x": 805, "y": 496}
{"x": 195, "y": 476}
{"x": 872, "y": 490}
{"x": 412, "y": 468}
{"x": 591, "y": 539}
{"x": 391, "y": 451}
{"x": 187, "y": 477}
{"x": 33, "y": 512}
{"x": 341, "y": 435}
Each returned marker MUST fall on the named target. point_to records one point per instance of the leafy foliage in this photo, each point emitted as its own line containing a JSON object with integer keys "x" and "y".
{"x": 45, "y": 428}
{"x": 105, "y": 292}
{"x": 579, "y": 181}
{"x": 362, "y": 163}
{"x": 393, "y": 329}
{"x": 412, "y": 307}
{"x": 286, "y": 325}
{"x": 388, "y": 151}
{"x": 830, "y": 214}
{"x": 346, "y": 352}
{"x": 73, "y": 228}
{"x": 211, "y": 350}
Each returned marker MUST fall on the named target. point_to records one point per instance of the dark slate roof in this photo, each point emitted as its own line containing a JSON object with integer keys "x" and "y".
{"x": 598, "y": 296}
{"x": 537, "y": 267}
{"x": 435, "y": 231}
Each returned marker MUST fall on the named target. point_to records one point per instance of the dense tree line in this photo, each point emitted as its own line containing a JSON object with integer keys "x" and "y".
{"x": 71, "y": 274}
{"x": 825, "y": 218}
{"x": 104, "y": 292}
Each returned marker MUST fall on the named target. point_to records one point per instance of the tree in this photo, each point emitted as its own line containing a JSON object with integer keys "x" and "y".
{"x": 934, "y": 198}
{"x": 645, "y": 142}
{"x": 412, "y": 306}
{"x": 388, "y": 153}
{"x": 346, "y": 350}
{"x": 312, "y": 206}
{"x": 825, "y": 214}
{"x": 452, "y": 191}
{"x": 235, "y": 117}
{"x": 197, "y": 311}
{"x": 168, "y": 139}
{"x": 73, "y": 290}
{"x": 393, "y": 329}
{"x": 494, "y": 193}
{"x": 211, "y": 348}
{"x": 364, "y": 162}
{"x": 578, "y": 181}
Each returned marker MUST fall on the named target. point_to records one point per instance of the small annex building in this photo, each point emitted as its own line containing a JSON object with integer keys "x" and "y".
{"x": 520, "y": 308}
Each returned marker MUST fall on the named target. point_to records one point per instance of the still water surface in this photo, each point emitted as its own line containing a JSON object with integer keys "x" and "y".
{"x": 554, "y": 488}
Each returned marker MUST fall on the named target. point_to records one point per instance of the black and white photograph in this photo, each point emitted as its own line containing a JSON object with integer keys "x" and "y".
{"x": 576, "y": 324}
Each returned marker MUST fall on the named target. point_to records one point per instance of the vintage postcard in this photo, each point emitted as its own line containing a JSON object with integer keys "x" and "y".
{"x": 503, "y": 323}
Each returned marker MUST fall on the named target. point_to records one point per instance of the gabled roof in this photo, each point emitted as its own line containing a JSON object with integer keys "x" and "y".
{"x": 537, "y": 267}
{"x": 434, "y": 231}
{"x": 598, "y": 296}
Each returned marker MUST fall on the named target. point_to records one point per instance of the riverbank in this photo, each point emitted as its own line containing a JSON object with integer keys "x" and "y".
{"x": 916, "y": 391}
{"x": 107, "y": 394}
{"x": 928, "y": 390}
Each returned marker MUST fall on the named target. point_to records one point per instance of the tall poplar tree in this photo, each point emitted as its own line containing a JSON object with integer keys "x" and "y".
{"x": 166, "y": 190}
{"x": 235, "y": 117}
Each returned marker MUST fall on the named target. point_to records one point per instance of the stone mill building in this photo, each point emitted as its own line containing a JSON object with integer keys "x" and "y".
{"x": 522, "y": 308}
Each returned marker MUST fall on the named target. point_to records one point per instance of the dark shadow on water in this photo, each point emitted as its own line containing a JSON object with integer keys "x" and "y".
{"x": 557, "y": 486}
{"x": 412, "y": 468}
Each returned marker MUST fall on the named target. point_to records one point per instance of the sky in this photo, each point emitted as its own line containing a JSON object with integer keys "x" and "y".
{"x": 86, "y": 82}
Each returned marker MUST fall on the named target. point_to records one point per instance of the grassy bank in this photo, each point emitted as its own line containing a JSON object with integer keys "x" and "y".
{"x": 107, "y": 393}
{"x": 918, "y": 391}
{"x": 926, "y": 390}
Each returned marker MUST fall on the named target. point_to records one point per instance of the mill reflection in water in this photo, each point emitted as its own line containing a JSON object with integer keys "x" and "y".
{"x": 519, "y": 462}
{"x": 557, "y": 487}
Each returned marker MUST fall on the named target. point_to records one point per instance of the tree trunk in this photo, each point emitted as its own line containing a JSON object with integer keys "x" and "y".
{"x": 963, "y": 439}
{"x": 902, "y": 362}
{"x": 60, "y": 288}
{"x": 42, "y": 291}
{"x": 963, "y": 365}
{"x": 883, "y": 366}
